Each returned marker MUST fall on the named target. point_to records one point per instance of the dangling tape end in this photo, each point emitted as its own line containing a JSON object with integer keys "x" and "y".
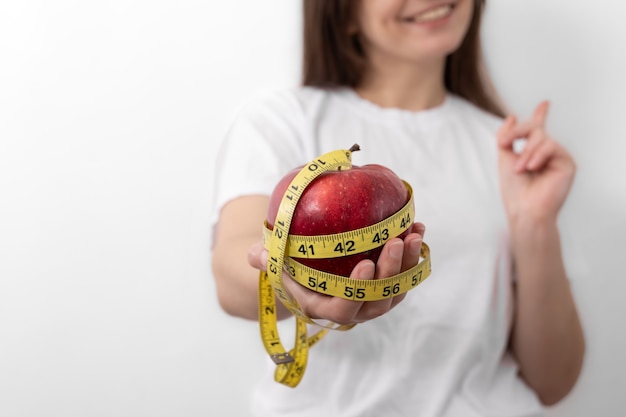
{"x": 282, "y": 358}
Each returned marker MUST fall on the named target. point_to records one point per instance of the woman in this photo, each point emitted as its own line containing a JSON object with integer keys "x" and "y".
{"x": 495, "y": 330}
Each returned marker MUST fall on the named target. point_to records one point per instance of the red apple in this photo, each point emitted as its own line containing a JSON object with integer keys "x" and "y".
{"x": 340, "y": 201}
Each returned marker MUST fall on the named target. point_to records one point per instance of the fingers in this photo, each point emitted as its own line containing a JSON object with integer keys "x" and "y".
{"x": 540, "y": 114}
{"x": 511, "y": 129}
{"x": 537, "y": 139}
{"x": 412, "y": 254}
{"x": 389, "y": 263}
{"x": 540, "y": 156}
{"x": 537, "y": 145}
{"x": 257, "y": 256}
{"x": 418, "y": 228}
{"x": 504, "y": 135}
{"x": 397, "y": 255}
{"x": 390, "y": 260}
{"x": 347, "y": 311}
{"x": 335, "y": 309}
{"x": 412, "y": 250}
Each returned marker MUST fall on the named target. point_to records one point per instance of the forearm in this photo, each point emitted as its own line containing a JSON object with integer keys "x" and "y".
{"x": 237, "y": 282}
{"x": 236, "y": 279}
{"x": 547, "y": 338}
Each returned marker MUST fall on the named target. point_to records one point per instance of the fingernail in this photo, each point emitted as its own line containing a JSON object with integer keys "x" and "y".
{"x": 511, "y": 120}
{"x": 395, "y": 249}
{"x": 263, "y": 259}
{"x": 414, "y": 247}
{"x": 367, "y": 271}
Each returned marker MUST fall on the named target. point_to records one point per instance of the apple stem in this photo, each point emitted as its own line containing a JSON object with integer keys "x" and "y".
{"x": 353, "y": 148}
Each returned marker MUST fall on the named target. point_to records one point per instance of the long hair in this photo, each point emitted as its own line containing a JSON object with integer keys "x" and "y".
{"x": 333, "y": 57}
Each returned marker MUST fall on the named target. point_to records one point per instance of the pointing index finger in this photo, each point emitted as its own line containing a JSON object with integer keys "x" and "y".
{"x": 541, "y": 113}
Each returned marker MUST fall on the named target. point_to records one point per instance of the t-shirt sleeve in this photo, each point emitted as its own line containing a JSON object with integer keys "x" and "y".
{"x": 264, "y": 140}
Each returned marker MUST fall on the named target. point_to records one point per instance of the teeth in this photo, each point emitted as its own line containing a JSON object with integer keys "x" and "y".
{"x": 434, "y": 14}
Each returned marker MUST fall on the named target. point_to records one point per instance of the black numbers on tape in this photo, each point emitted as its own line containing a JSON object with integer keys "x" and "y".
{"x": 391, "y": 289}
{"x": 381, "y": 236}
{"x": 313, "y": 283}
{"x": 348, "y": 247}
{"x": 405, "y": 221}
{"x": 314, "y": 166}
{"x": 350, "y": 292}
{"x": 416, "y": 279}
{"x": 306, "y": 250}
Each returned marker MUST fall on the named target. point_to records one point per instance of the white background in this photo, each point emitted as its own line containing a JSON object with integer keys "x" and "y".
{"x": 109, "y": 116}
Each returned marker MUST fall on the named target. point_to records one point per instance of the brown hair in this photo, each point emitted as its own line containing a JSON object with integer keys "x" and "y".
{"x": 333, "y": 57}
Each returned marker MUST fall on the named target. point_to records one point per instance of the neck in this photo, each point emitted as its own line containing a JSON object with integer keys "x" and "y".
{"x": 404, "y": 85}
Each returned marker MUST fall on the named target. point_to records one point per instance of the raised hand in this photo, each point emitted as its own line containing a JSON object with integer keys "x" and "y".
{"x": 536, "y": 181}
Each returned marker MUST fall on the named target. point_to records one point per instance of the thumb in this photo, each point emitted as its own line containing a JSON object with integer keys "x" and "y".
{"x": 257, "y": 256}
{"x": 505, "y": 134}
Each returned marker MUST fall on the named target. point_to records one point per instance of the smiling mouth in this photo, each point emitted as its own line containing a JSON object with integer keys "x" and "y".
{"x": 432, "y": 14}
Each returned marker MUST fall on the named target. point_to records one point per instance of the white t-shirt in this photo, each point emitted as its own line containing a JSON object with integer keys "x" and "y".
{"x": 442, "y": 351}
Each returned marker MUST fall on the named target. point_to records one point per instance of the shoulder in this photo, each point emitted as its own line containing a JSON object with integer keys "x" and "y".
{"x": 282, "y": 101}
{"x": 273, "y": 124}
{"x": 266, "y": 116}
{"x": 290, "y": 114}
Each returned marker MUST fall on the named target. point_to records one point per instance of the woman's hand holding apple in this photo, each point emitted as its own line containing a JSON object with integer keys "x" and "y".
{"x": 397, "y": 256}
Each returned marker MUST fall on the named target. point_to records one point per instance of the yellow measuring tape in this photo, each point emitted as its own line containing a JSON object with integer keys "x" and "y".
{"x": 283, "y": 248}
